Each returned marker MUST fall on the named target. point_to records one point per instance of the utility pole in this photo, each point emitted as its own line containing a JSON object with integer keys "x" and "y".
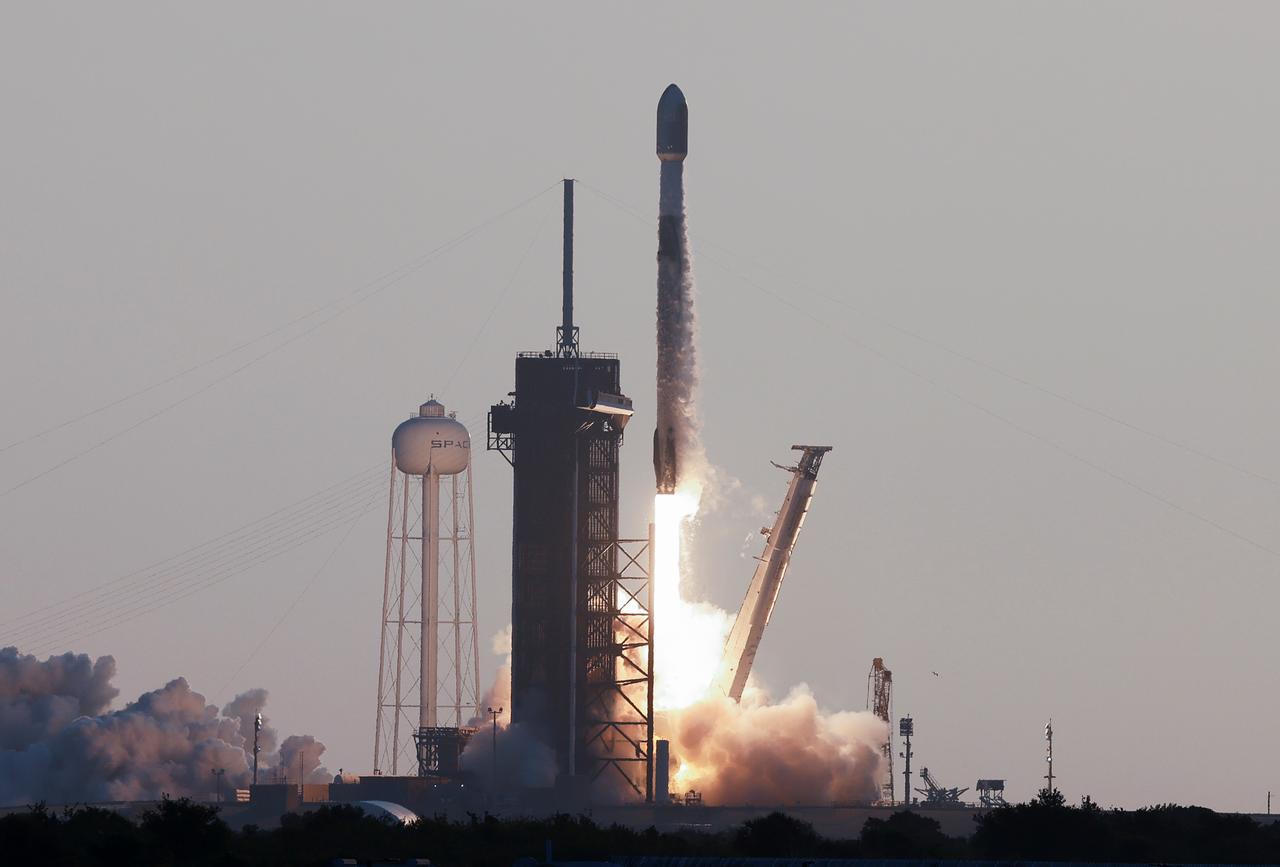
{"x": 257, "y": 728}
{"x": 1048, "y": 736}
{"x": 217, "y": 775}
{"x": 494, "y": 715}
{"x": 906, "y": 728}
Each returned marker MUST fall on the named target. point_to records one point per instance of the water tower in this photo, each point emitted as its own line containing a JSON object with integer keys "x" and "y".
{"x": 428, "y": 675}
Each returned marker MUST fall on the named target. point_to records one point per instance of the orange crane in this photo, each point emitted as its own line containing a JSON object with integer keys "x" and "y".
{"x": 880, "y": 702}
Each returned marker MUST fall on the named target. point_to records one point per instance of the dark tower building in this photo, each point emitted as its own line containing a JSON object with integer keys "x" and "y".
{"x": 561, "y": 432}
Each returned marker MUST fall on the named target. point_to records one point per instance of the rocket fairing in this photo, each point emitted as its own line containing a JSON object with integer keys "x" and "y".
{"x": 675, "y": 294}
{"x": 673, "y": 125}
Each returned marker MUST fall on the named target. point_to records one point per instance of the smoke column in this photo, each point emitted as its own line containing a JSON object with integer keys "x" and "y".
{"x": 787, "y": 753}
{"x": 677, "y": 373}
{"x": 61, "y": 743}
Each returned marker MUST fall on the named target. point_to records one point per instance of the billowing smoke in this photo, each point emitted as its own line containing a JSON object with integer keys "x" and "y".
{"x": 60, "y": 742}
{"x": 523, "y": 759}
{"x": 786, "y": 753}
{"x": 498, "y": 695}
{"x": 755, "y": 752}
{"x": 37, "y": 698}
{"x": 300, "y": 756}
{"x": 244, "y": 708}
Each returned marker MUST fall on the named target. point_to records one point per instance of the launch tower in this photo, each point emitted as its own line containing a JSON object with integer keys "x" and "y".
{"x": 581, "y": 678}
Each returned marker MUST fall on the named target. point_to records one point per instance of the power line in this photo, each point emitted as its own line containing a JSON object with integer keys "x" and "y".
{"x": 1020, "y": 380}
{"x": 1009, "y": 422}
{"x": 292, "y": 605}
{"x": 360, "y": 296}
{"x": 261, "y": 521}
{"x": 202, "y": 566}
{"x": 823, "y": 323}
{"x": 971, "y": 359}
{"x": 235, "y": 551}
{"x": 180, "y": 593}
{"x": 203, "y": 574}
{"x": 282, "y": 514}
{"x": 496, "y": 304}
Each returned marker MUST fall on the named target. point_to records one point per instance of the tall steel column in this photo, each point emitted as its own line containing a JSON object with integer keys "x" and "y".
{"x": 429, "y": 641}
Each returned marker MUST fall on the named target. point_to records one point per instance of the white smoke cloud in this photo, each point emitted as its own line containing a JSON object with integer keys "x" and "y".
{"x": 787, "y": 753}
{"x": 523, "y": 759}
{"x": 60, "y": 743}
{"x": 498, "y": 695}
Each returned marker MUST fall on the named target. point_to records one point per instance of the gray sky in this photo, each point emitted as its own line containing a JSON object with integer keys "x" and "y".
{"x": 1080, "y": 195}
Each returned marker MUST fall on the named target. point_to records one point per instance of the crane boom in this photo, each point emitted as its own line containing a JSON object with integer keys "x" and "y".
{"x": 744, "y": 639}
{"x": 880, "y": 702}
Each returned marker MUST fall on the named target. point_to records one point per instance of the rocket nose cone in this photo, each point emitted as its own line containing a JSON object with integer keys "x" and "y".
{"x": 673, "y": 124}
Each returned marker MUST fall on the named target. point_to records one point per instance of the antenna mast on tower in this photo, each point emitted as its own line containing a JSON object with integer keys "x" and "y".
{"x": 567, "y": 333}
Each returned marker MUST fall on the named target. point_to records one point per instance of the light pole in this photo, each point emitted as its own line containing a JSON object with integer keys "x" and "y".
{"x": 217, "y": 774}
{"x": 257, "y": 728}
{"x": 1048, "y": 736}
{"x": 494, "y": 714}
{"x": 906, "y": 728}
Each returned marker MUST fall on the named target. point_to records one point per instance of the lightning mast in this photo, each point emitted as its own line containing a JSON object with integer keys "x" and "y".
{"x": 880, "y": 702}
{"x": 744, "y": 639}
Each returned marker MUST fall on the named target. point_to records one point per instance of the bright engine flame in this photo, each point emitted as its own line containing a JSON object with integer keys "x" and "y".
{"x": 688, "y": 636}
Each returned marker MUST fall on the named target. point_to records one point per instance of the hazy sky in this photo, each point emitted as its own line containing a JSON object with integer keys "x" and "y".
{"x": 890, "y": 203}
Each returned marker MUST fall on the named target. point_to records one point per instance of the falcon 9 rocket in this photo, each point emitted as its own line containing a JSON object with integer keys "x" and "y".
{"x": 672, "y": 437}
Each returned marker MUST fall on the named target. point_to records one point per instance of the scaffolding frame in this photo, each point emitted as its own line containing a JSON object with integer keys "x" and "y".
{"x": 453, "y": 664}
{"x": 618, "y": 703}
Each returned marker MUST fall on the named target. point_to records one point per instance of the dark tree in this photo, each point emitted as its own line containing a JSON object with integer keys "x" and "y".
{"x": 183, "y": 832}
{"x": 777, "y": 835}
{"x": 906, "y": 835}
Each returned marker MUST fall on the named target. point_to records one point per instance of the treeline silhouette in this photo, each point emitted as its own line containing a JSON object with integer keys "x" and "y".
{"x": 182, "y": 832}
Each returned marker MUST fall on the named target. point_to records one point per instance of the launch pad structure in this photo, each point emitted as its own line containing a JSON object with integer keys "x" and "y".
{"x": 581, "y": 625}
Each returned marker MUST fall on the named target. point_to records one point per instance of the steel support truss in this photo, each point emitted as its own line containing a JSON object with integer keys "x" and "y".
{"x": 619, "y": 700}
{"x": 453, "y": 663}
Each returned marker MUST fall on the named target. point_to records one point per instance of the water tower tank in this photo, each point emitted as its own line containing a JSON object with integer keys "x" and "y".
{"x": 431, "y": 442}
